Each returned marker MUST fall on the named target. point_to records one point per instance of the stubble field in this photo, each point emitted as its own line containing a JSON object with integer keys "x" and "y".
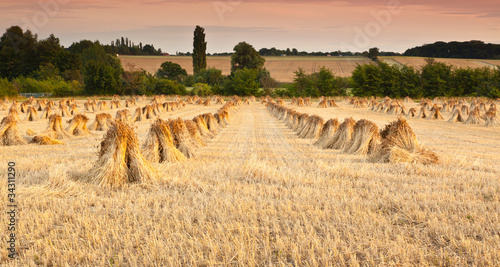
{"x": 283, "y": 68}
{"x": 257, "y": 194}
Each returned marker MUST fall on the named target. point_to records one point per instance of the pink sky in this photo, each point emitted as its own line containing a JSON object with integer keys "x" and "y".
{"x": 391, "y": 25}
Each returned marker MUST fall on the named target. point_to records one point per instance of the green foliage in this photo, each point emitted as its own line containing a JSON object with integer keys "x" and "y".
{"x": 266, "y": 81}
{"x": 243, "y": 82}
{"x": 470, "y": 49}
{"x": 30, "y": 85}
{"x": 199, "y": 50}
{"x": 56, "y": 86}
{"x": 65, "y": 89}
{"x": 373, "y": 53}
{"x": 7, "y": 88}
{"x": 201, "y": 89}
{"x": 133, "y": 82}
{"x": 322, "y": 83}
{"x": 22, "y": 54}
{"x": 169, "y": 87}
{"x": 245, "y": 56}
{"x": 99, "y": 79}
{"x": 47, "y": 71}
{"x": 210, "y": 76}
{"x": 172, "y": 71}
{"x": 435, "y": 79}
{"x": 189, "y": 81}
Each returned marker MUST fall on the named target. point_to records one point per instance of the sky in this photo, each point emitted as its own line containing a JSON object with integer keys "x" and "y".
{"x": 317, "y": 25}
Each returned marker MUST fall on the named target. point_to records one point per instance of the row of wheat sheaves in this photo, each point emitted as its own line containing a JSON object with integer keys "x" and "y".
{"x": 396, "y": 142}
{"x": 121, "y": 159}
{"x": 473, "y": 111}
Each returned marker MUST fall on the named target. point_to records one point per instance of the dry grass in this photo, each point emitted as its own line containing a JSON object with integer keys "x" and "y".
{"x": 45, "y": 140}
{"x": 259, "y": 195}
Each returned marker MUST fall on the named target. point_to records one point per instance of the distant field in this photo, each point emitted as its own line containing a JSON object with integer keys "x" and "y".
{"x": 418, "y": 62}
{"x": 283, "y": 68}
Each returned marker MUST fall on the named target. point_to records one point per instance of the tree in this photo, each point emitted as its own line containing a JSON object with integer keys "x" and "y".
{"x": 436, "y": 78}
{"x": 168, "y": 87}
{"x": 245, "y": 56}
{"x": 210, "y": 76}
{"x": 199, "y": 50}
{"x": 373, "y": 53}
{"x": 18, "y": 53}
{"x": 201, "y": 89}
{"x": 367, "y": 80}
{"x": 7, "y": 88}
{"x": 172, "y": 71}
{"x": 243, "y": 82}
{"x": 99, "y": 79}
{"x": 301, "y": 82}
{"x": 149, "y": 49}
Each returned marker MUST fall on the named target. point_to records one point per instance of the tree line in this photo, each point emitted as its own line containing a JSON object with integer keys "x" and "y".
{"x": 434, "y": 79}
{"x": 470, "y": 49}
{"x": 124, "y": 46}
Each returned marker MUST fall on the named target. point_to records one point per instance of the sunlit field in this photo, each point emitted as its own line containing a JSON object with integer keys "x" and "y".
{"x": 258, "y": 194}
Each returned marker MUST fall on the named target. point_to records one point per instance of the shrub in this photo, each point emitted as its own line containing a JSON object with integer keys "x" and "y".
{"x": 7, "y": 88}
{"x": 169, "y": 87}
{"x": 201, "y": 89}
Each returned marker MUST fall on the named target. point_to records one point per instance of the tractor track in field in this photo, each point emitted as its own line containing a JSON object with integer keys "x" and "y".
{"x": 254, "y": 134}
{"x": 289, "y": 66}
{"x": 340, "y": 68}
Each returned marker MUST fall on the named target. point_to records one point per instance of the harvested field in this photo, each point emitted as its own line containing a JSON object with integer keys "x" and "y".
{"x": 281, "y": 68}
{"x": 258, "y": 194}
{"x": 418, "y": 62}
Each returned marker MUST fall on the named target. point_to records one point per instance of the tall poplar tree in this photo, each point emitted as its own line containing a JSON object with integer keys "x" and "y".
{"x": 199, "y": 50}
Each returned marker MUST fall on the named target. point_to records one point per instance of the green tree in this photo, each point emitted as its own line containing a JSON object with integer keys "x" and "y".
{"x": 47, "y": 71}
{"x": 19, "y": 55}
{"x": 436, "y": 79}
{"x": 325, "y": 82}
{"x": 201, "y": 89}
{"x": 243, "y": 82}
{"x": 245, "y": 56}
{"x": 172, "y": 71}
{"x": 373, "y": 53}
{"x": 210, "y": 76}
{"x": 199, "y": 50}
{"x": 367, "y": 80}
{"x": 7, "y": 88}
{"x": 301, "y": 82}
{"x": 409, "y": 83}
{"x": 99, "y": 79}
{"x": 133, "y": 81}
{"x": 169, "y": 87}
